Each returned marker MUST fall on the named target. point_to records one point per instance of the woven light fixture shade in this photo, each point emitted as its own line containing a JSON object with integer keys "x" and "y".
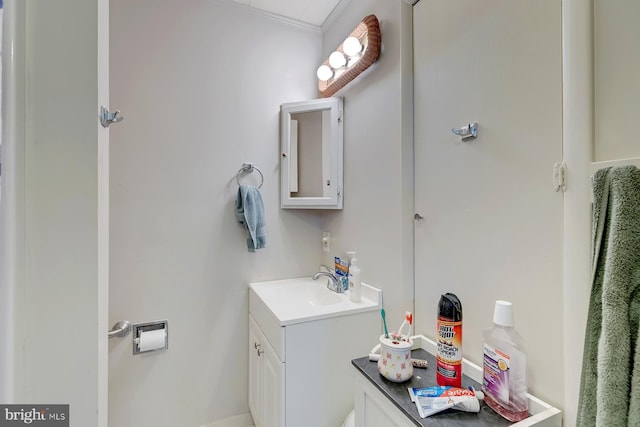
{"x": 368, "y": 33}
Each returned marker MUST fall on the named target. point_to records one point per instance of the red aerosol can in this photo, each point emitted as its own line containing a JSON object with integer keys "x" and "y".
{"x": 449, "y": 334}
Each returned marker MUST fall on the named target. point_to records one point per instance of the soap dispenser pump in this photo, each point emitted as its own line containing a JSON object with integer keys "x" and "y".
{"x": 355, "y": 287}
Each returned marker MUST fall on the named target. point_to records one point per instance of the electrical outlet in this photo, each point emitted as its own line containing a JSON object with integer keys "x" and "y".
{"x": 326, "y": 241}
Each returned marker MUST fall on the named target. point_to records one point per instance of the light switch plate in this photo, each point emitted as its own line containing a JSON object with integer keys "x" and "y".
{"x": 326, "y": 241}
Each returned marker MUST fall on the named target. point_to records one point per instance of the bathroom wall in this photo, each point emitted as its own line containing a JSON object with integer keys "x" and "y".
{"x": 172, "y": 219}
{"x": 493, "y": 224}
{"x": 377, "y": 219}
{"x": 616, "y": 69}
{"x": 600, "y": 94}
{"x": 1, "y": 20}
{"x": 53, "y": 250}
{"x": 200, "y": 84}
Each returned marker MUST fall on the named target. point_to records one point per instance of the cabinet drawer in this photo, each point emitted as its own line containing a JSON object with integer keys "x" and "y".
{"x": 269, "y": 325}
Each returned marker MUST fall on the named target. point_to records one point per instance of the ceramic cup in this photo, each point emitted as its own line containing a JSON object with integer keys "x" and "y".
{"x": 395, "y": 359}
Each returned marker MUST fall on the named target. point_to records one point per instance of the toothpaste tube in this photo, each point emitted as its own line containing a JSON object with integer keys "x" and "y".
{"x": 342, "y": 272}
{"x": 431, "y": 400}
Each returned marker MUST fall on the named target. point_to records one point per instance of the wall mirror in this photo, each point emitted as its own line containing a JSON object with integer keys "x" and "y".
{"x": 311, "y": 158}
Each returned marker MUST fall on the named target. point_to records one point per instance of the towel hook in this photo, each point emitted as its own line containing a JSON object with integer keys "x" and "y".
{"x": 246, "y": 169}
{"x": 467, "y": 132}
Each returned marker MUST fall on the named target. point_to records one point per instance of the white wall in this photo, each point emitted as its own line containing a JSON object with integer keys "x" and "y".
{"x": 377, "y": 219}
{"x": 52, "y": 249}
{"x": 174, "y": 160}
{"x": 616, "y": 70}
{"x": 200, "y": 84}
{"x": 492, "y": 224}
{"x": 11, "y": 186}
{"x": 1, "y": 31}
{"x": 600, "y": 63}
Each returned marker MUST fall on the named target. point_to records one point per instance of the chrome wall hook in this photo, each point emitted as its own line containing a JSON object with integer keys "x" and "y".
{"x": 107, "y": 117}
{"x": 467, "y": 132}
{"x": 120, "y": 329}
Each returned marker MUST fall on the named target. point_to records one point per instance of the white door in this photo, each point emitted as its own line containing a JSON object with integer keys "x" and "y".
{"x": 55, "y": 217}
{"x": 492, "y": 226}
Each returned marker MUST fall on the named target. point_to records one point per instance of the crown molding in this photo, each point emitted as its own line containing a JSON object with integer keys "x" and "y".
{"x": 334, "y": 14}
{"x": 274, "y": 16}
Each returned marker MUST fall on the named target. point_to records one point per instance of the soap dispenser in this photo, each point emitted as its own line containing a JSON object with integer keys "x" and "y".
{"x": 355, "y": 287}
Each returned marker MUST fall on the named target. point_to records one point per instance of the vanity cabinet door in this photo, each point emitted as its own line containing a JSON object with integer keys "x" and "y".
{"x": 272, "y": 388}
{"x": 266, "y": 380}
{"x": 254, "y": 372}
{"x": 372, "y": 409}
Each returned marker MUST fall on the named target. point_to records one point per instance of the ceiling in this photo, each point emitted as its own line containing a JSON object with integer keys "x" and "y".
{"x": 312, "y": 12}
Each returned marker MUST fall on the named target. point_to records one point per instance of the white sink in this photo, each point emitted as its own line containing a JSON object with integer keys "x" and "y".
{"x": 303, "y": 299}
{"x": 301, "y": 292}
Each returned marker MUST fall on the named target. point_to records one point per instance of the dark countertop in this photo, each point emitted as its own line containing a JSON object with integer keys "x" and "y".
{"x": 397, "y": 393}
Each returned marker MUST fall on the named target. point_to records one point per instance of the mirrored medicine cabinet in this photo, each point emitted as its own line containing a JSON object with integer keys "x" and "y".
{"x": 311, "y": 158}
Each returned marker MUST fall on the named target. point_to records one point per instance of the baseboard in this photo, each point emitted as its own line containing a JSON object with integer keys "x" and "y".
{"x": 243, "y": 420}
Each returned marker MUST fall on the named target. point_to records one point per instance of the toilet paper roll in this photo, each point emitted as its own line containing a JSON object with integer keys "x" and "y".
{"x": 152, "y": 340}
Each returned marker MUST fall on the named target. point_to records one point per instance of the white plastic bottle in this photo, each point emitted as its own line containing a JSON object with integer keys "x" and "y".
{"x": 505, "y": 366}
{"x": 355, "y": 287}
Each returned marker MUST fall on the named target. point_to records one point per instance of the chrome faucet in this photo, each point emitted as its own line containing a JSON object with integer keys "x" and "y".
{"x": 333, "y": 283}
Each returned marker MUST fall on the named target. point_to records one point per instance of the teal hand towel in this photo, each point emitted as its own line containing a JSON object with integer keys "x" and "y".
{"x": 250, "y": 213}
{"x": 610, "y": 379}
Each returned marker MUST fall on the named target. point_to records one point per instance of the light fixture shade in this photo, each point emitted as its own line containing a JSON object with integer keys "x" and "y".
{"x": 324, "y": 73}
{"x": 367, "y": 34}
{"x": 351, "y": 46}
{"x": 337, "y": 60}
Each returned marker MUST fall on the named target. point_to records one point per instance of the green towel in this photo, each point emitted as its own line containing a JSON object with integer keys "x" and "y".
{"x": 610, "y": 381}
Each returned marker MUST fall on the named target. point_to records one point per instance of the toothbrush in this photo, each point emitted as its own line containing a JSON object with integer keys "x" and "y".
{"x": 384, "y": 322}
{"x": 408, "y": 317}
{"x": 404, "y": 322}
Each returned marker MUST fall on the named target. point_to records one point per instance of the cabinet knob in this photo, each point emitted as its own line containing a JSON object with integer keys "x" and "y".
{"x": 258, "y": 348}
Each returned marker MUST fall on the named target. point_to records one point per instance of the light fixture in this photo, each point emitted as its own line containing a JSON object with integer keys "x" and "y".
{"x": 324, "y": 73}
{"x": 359, "y": 50}
{"x": 351, "y": 46}
{"x": 337, "y": 60}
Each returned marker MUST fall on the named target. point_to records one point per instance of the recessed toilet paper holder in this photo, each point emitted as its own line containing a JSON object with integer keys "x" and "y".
{"x": 150, "y": 336}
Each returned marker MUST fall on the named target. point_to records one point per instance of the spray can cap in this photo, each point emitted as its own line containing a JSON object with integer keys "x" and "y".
{"x": 450, "y": 307}
{"x": 503, "y": 313}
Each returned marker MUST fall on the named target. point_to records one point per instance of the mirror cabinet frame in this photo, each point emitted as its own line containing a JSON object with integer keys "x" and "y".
{"x": 333, "y": 187}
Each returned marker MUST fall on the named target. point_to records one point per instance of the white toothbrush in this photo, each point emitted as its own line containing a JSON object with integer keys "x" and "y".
{"x": 408, "y": 317}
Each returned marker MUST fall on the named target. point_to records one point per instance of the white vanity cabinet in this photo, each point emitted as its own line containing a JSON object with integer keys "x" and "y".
{"x": 301, "y": 343}
{"x": 373, "y": 409}
{"x": 266, "y": 380}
